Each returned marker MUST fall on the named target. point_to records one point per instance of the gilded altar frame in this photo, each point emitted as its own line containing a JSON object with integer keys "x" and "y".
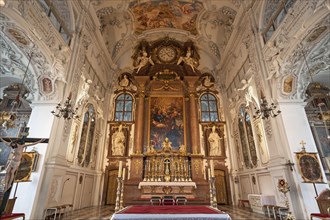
{"x": 309, "y": 167}
{"x": 28, "y": 164}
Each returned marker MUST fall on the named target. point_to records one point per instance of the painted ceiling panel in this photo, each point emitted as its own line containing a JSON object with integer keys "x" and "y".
{"x": 165, "y": 14}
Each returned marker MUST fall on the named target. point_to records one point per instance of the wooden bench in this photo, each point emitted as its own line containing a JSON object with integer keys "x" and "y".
{"x": 57, "y": 211}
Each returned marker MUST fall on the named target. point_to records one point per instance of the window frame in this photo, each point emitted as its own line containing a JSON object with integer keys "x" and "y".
{"x": 124, "y": 110}
{"x": 209, "y": 112}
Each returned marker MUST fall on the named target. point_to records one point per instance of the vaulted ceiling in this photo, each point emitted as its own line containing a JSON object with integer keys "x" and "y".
{"x": 208, "y": 24}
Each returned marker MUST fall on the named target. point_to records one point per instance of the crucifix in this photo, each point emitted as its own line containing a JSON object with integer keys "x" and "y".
{"x": 289, "y": 163}
{"x": 302, "y": 143}
{"x": 18, "y": 145}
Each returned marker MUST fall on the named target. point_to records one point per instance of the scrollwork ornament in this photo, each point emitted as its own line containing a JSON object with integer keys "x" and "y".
{"x": 268, "y": 129}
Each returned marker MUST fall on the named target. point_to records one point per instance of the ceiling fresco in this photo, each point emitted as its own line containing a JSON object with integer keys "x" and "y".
{"x": 165, "y": 14}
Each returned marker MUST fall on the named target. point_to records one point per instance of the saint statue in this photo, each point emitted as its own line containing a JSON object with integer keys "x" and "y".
{"x": 167, "y": 145}
{"x": 118, "y": 142}
{"x": 214, "y": 140}
{"x": 182, "y": 149}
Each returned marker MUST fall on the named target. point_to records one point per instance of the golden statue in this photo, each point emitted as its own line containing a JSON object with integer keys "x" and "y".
{"x": 167, "y": 145}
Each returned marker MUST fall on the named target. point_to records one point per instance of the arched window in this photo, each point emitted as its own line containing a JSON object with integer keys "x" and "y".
{"x": 209, "y": 108}
{"x": 246, "y": 135}
{"x": 87, "y": 137}
{"x": 123, "y": 111}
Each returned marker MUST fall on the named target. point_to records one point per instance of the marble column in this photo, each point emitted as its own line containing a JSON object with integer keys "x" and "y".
{"x": 193, "y": 115}
{"x": 138, "y": 136}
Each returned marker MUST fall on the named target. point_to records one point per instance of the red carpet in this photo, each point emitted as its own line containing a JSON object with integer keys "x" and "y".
{"x": 188, "y": 209}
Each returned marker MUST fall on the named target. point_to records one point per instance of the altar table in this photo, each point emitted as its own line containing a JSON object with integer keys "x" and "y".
{"x": 170, "y": 212}
{"x": 257, "y": 201}
{"x": 149, "y": 189}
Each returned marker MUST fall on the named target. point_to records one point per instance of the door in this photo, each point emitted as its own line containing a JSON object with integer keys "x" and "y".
{"x": 112, "y": 187}
{"x": 221, "y": 187}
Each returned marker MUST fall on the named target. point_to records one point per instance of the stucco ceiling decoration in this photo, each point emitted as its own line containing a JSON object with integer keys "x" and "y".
{"x": 16, "y": 47}
{"x": 165, "y": 14}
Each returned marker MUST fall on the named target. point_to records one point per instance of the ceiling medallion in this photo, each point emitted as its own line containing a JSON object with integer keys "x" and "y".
{"x": 18, "y": 36}
{"x": 315, "y": 33}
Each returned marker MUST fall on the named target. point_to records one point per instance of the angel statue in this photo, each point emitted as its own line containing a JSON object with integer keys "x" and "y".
{"x": 188, "y": 60}
{"x": 143, "y": 61}
{"x": 245, "y": 83}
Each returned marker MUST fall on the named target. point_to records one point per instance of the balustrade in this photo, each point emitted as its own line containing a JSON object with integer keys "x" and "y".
{"x": 164, "y": 167}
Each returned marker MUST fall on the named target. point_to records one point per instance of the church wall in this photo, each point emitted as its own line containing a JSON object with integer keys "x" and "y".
{"x": 296, "y": 131}
{"x": 278, "y": 149}
{"x": 40, "y": 127}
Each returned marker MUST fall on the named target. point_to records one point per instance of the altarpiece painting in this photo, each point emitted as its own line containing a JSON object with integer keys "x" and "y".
{"x": 166, "y": 121}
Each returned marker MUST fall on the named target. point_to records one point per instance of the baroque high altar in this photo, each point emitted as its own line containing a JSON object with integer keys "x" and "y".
{"x": 167, "y": 127}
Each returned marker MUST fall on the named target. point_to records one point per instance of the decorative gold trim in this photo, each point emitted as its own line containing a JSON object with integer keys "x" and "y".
{"x": 309, "y": 167}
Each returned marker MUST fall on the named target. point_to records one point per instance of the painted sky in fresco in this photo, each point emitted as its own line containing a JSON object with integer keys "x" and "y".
{"x": 165, "y": 14}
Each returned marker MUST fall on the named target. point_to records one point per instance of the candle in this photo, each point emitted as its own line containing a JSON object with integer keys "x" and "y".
{"x": 124, "y": 172}
{"x": 120, "y": 170}
{"x": 209, "y": 173}
{"x": 212, "y": 168}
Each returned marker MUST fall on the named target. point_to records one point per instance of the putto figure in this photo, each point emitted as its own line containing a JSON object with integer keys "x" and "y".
{"x": 143, "y": 60}
{"x": 188, "y": 60}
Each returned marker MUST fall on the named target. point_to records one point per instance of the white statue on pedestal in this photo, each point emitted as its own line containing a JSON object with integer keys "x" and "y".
{"x": 118, "y": 142}
{"x": 215, "y": 145}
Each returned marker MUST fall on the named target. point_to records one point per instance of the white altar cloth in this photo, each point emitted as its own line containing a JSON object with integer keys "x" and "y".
{"x": 257, "y": 201}
{"x": 186, "y": 212}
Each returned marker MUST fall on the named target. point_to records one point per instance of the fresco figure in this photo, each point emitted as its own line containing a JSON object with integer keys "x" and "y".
{"x": 214, "y": 140}
{"x": 118, "y": 140}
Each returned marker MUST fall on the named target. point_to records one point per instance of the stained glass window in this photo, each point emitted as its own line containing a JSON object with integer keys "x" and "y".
{"x": 124, "y": 103}
{"x": 246, "y": 135}
{"x": 87, "y": 137}
{"x": 209, "y": 108}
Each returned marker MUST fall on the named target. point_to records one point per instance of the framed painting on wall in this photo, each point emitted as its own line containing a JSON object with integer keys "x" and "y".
{"x": 28, "y": 164}
{"x": 309, "y": 167}
{"x": 166, "y": 120}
